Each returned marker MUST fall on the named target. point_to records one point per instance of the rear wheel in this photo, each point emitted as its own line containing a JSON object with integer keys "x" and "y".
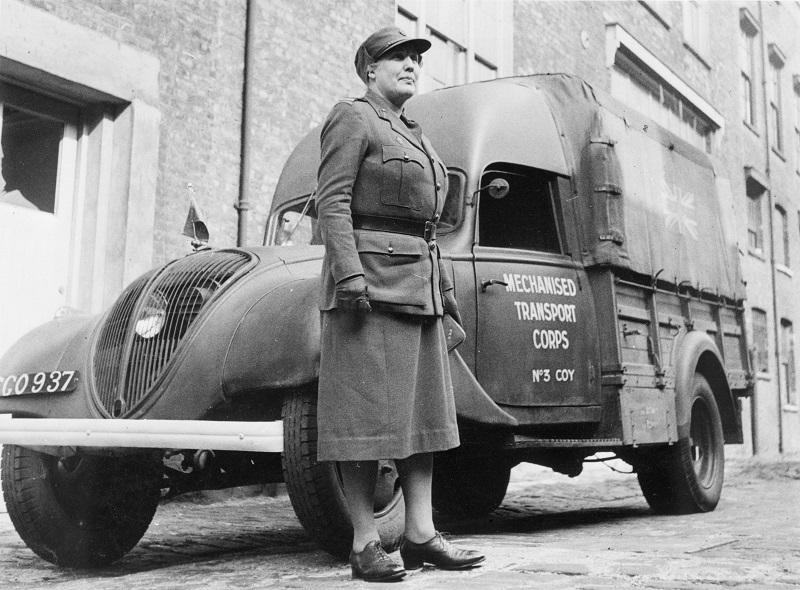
{"x": 468, "y": 486}
{"x": 688, "y": 476}
{"x": 315, "y": 488}
{"x": 80, "y": 511}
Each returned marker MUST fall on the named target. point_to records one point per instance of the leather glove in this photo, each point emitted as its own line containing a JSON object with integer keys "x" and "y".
{"x": 352, "y": 294}
{"x": 451, "y": 305}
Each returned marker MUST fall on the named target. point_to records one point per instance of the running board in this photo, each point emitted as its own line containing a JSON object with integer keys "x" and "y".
{"x": 262, "y": 437}
{"x": 521, "y": 441}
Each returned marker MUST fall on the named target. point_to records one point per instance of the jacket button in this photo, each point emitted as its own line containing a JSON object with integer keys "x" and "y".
{"x": 438, "y": 186}
{"x": 390, "y": 249}
{"x": 405, "y": 157}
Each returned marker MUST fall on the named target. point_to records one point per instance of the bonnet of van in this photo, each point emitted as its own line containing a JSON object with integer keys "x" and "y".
{"x": 644, "y": 199}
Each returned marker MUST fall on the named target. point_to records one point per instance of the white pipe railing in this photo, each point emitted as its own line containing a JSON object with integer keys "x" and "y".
{"x": 266, "y": 437}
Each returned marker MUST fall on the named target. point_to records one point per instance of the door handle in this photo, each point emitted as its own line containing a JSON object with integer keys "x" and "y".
{"x": 485, "y": 283}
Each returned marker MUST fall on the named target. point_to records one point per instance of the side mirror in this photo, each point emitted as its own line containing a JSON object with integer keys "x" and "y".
{"x": 497, "y": 189}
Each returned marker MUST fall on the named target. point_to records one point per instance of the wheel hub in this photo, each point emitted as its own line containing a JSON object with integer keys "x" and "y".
{"x": 701, "y": 442}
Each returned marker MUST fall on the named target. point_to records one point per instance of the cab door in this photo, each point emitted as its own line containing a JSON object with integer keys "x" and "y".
{"x": 537, "y": 343}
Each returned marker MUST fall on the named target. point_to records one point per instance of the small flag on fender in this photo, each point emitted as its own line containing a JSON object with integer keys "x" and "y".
{"x": 195, "y": 227}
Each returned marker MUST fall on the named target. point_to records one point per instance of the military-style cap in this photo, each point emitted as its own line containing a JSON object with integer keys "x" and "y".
{"x": 381, "y": 42}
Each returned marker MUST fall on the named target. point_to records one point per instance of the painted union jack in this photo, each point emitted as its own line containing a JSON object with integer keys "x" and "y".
{"x": 680, "y": 211}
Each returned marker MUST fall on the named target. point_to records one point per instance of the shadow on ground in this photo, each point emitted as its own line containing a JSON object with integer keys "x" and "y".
{"x": 162, "y": 548}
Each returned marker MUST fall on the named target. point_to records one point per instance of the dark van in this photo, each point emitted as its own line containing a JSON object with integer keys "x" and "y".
{"x": 600, "y": 291}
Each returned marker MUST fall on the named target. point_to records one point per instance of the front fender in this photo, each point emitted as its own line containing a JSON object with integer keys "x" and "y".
{"x": 42, "y": 348}
{"x": 276, "y": 344}
{"x": 60, "y": 344}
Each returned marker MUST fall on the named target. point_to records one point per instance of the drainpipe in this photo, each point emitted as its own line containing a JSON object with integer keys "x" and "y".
{"x": 243, "y": 203}
{"x": 771, "y": 203}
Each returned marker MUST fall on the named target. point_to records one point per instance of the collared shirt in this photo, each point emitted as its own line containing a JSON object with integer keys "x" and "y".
{"x": 410, "y": 124}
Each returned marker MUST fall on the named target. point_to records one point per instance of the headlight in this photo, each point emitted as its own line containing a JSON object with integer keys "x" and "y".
{"x": 153, "y": 315}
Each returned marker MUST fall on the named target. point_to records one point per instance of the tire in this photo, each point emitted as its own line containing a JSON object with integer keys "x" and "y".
{"x": 688, "y": 476}
{"x": 81, "y": 511}
{"x": 468, "y": 487}
{"x": 315, "y": 488}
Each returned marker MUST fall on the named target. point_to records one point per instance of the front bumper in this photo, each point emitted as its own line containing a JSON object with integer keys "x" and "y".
{"x": 262, "y": 437}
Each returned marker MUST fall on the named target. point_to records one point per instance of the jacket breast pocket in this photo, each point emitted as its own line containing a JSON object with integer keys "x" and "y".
{"x": 403, "y": 173}
{"x": 397, "y": 268}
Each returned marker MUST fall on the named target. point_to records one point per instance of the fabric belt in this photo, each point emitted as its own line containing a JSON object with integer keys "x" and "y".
{"x": 395, "y": 225}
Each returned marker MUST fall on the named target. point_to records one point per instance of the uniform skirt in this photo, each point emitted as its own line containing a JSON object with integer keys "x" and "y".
{"x": 384, "y": 387}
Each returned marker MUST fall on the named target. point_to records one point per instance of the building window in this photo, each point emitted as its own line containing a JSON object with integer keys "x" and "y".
{"x": 656, "y": 99}
{"x": 760, "y": 340}
{"x": 755, "y": 218}
{"x": 748, "y": 59}
{"x": 776, "y": 61}
{"x": 642, "y": 82}
{"x": 796, "y": 79}
{"x": 471, "y": 40}
{"x": 446, "y": 63}
{"x": 29, "y": 153}
{"x": 695, "y": 26}
{"x": 797, "y": 148}
{"x": 782, "y": 248}
{"x": 788, "y": 378}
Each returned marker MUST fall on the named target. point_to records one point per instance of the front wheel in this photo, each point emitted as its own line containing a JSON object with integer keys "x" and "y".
{"x": 688, "y": 476}
{"x": 80, "y": 511}
{"x": 315, "y": 488}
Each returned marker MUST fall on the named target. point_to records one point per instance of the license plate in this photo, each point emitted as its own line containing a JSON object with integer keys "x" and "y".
{"x": 41, "y": 382}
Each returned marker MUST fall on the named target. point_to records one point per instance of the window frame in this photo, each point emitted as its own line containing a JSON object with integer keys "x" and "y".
{"x": 623, "y": 49}
{"x": 755, "y": 192}
{"x": 749, "y": 31}
{"x": 783, "y": 256}
{"x": 695, "y": 27}
{"x": 66, "y": 114}
{"x": 755, "y": 224}
{"x": 467, "y": 63}
{"x": 760, "y": 322}
{"x": 796, "y": 88}
{"x": 788, "y": 363}
{"x": 775, "y": 113}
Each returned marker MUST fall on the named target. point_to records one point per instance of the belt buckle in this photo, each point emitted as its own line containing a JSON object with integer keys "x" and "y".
{"x": 430, "y": 231}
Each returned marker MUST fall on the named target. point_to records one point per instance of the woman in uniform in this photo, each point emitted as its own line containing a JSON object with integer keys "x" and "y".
{"x": 384, "y": 386}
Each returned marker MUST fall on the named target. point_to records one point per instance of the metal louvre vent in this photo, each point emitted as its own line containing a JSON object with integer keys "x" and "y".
{"x": 108, "y": 353}
{"x": 147, "y": 325}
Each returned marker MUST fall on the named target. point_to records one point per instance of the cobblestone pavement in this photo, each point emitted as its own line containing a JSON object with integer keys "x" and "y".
{"x": 591, "y": 532}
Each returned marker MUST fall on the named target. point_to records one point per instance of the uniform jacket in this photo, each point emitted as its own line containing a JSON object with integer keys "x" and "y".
{"x": 373, "y": 164}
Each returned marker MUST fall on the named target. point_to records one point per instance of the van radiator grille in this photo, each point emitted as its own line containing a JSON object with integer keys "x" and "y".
{"x": 108, "y": 353}
{"x": 145, "y": 327}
